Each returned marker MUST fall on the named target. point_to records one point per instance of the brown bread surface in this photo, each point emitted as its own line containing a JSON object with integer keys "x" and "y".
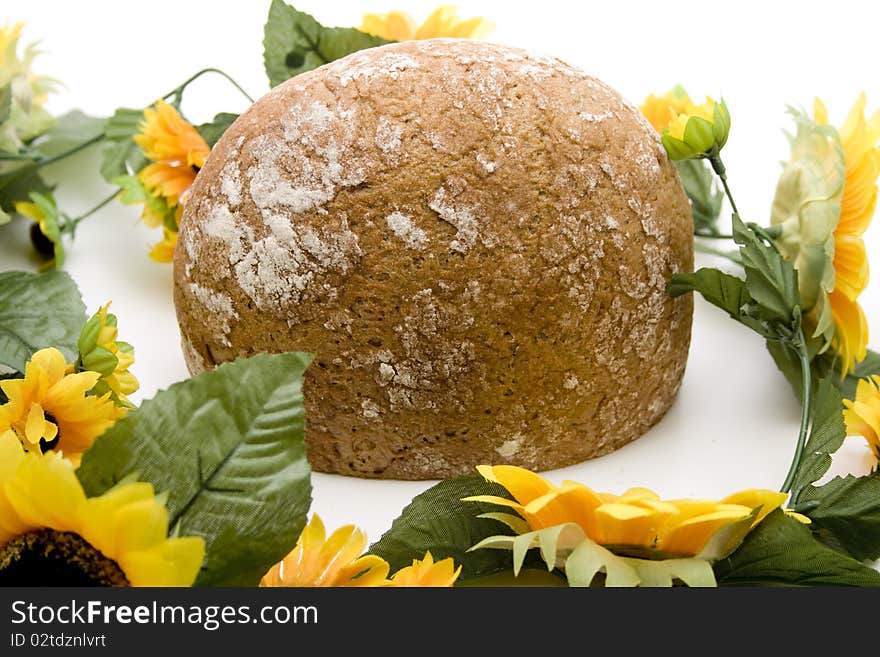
{"x": 474, "y": 243}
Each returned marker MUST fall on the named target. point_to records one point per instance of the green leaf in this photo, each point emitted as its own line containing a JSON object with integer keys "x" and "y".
{"x": 848, "y": 508}
{"x": 227, "y": 446}
{"x": 5, "y": 102}
{"x": 438, "y": 520}
{"x": 211, "y": 132}
{"x": 37, "y": 311}
{"x": 771, "y": 280}
{"x": 721, "y": 290}
{"x": 70, "y": 130}
{"x": 866, "y": 368}
{"x": 788, "y": 361}
{"x": 827, "y": 433}
{"x": 121, "y": 154}
{"x": 294, "y": 42}
{"x": 17, "y": 181}
{"x": 781, "y": 551}
{"x": 703, "y": 191}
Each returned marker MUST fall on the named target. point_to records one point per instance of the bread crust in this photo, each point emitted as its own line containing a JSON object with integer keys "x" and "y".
{"x": 474, "y": 243}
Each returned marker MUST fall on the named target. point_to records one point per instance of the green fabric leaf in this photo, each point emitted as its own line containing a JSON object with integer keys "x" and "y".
{"x": 227, "y": 446}
{"x": 70, "y": 130}
{"x": 721, "y": 290}
{"x": 788, "y": 361}
{"x": 827, "y": 433}
{"x": 866, "y": 368}
{"x": 5, "y": 102}
{"x": 702, "y": 189}
{"x": 17, "y": 181}
{"x": 771, "y": 280}
{"x": 782, "y": 552}
{"x": 121, "y": 155}
{"x": 294, "y": 42}
{"x": 527, "y": 577}
{"x": 213, "y": 130}
{"x": 848, "y": 508}
{"x": 438, "y": 520}
{"x": 37, "y": 311}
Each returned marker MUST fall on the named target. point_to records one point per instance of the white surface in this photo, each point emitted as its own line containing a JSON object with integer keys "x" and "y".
{"x": 735, "y": 421}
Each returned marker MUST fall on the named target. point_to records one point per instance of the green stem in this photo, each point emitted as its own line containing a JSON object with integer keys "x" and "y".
{"x": 805, "y": 412}
{"x": 71, "y": 151}
{"x": 177, "y": 92}
{"x": 703, "y": 248}
{"x": 721, "y": 171}
{"x": 72, "y": 223}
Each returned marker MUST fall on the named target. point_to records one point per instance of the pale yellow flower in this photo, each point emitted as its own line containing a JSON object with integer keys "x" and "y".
{"x": 859, "y": 137}
{"x": 443, "y": 22}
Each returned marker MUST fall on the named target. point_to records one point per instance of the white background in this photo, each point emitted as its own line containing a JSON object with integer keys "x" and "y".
{"x": 735, "y": 421}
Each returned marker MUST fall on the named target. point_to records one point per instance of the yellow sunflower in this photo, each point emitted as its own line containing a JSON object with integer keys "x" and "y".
{"x": 443, "y": 22}
{"x": 636, "y": 522}
{"x": 662, "y": 110}
{"x": 51, "y": 534}
{"x": 177, "y": 151}
{"x": 100, "y": 351}
{"x": 427, "y": 573}
{"x": 51, "y": 409}
{"x": 862, "y": 414}
{"x": 321, "y": 561}
{"x": 859, "y": 137}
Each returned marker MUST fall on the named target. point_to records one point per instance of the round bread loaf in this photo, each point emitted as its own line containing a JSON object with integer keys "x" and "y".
{"x": 474, "y": 243}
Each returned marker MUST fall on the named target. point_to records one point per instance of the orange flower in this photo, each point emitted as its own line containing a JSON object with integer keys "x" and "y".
{"x": 427, "y": 572}
{"x": 318, "y": 560}
{"x": 166, "y": 137}
{"x": 177, "y": 152}
{"x": 637, "y": 519}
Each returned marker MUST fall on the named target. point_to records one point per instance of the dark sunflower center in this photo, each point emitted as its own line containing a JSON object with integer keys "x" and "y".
{"x": 49, "y": 558}
{"x": 46, "y": 445}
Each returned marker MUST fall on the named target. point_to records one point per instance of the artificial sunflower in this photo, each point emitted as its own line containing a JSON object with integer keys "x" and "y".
{"x": 100, "y": 351}
{"x": 51, "y": 408}
{"x": 321, "y": 561}
{"x": 443, "y": 22}
{"x": 427, "y": 573}
{"x": 637, "y": 522}
{"x": 177, "y": 151}
{"x": 862, "y": 414}
{"x": 662, "y": 110}
{"x": 51, "y": 534}
{"x": 859, "y": 138}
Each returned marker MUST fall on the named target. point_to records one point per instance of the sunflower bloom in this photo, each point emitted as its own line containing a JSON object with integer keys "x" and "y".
{"x": 51, "y": 409}
{"x": 177, "y": 151}
{"x": 663, "y": 110}
{"x": 859, "y": 137}
{"x": 51, "y": 534}
{"x": 862, "y": 415}
{"x": 637, "y": 521}
{"x": 443, "y": 22}
{"x": 321, "y": 561}
{"x": 100, "y": 351}
{"x": 427, "y": 573}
